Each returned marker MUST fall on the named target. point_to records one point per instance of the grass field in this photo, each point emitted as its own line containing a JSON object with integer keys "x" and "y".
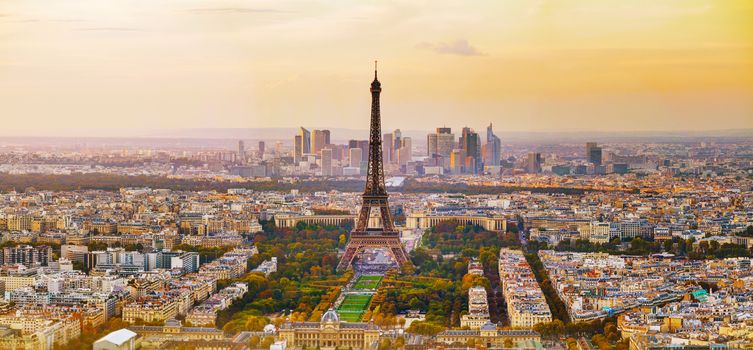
{"x": 367, "y": 282}
{"x": 353, "y": 307}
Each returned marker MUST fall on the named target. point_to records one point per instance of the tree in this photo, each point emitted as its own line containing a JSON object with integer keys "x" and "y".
{"x": 668, "y": 245}
{"x": 267, "y": 342}
{"x": 399, "y": 342}
{"x": 550, "y": 329}
{"x": 425, "y": 328}
{"x": 474, "y": 280}
{"x": 254, "y": 341}
{"x": 508, "y": 343}
{"x": 401, "y": 322}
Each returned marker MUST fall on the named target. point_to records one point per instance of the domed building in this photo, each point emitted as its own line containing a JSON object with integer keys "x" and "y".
{"x": 329, "y": 333}
{"x": 330, "y": 317}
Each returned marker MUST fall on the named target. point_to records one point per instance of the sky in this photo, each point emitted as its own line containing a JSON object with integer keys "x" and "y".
{"x": 523, "y": 65}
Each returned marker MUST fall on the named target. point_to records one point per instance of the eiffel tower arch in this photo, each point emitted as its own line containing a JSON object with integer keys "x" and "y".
{"x": 374, "y": 198}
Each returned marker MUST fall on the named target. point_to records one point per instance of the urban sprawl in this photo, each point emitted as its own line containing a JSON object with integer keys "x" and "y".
{"x": 624, "y": 245}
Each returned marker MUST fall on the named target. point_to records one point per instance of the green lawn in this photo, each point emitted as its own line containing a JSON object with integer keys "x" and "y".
{"x": 353, "y": 307}
{"x": 367, "y": 282}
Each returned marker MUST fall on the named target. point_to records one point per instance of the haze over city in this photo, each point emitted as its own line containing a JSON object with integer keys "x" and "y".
{"x": 585, "y": 65}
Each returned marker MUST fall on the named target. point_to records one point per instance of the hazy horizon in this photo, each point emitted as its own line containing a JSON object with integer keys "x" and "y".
{"x": 230, "y": 136}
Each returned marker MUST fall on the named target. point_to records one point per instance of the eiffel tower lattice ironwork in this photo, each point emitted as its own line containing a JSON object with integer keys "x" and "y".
{"x": 374, "y": 197}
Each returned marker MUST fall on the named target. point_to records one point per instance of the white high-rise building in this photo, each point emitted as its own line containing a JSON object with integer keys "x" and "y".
{"x": 492, "y": 148}
{"x": 404, "y": 152}
{"x": 326, "y": 162}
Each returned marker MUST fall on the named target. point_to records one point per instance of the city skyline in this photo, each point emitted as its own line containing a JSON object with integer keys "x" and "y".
{"x": 582, "y": 66}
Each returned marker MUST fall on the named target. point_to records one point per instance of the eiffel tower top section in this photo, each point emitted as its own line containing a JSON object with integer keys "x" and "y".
{"x": 375, "y": 173}
{"x": 375, "y": 193}
{"x": 376, "y": 86}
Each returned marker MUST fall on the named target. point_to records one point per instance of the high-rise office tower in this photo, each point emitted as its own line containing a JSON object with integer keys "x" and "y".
{"x": 431, "y": 145}
{"x": 363, "y": 145}
{"x": 470, "y": 165}
{"x": 445, "y": 142}
{"x": 533, "y": 164}
{"x": 319, "y": 139}
{"x": 493, "y": 148}
{"x": 593, "y": 153}
{"x": 441, "y": 144}
{"x": 241, "y": 151}
{"x": 262, "y": 147}
{"x": 326, "y": 162}
{"x": 461, "y": 139}
{"x": 388, "y": 142}
{"x": 471, "y": 146}
{"x": 305, "y": 141}
{"x": 337, "y": 151}
{"x": 589, "y": 145}
{"x": 278, "y": 147}
{"x": 456, "y": 161}
{"x": 355, "y": 156}
{"x": 404, "y": 152}
{"x": 297, "y": 148}
{"x": 397, "y": 142}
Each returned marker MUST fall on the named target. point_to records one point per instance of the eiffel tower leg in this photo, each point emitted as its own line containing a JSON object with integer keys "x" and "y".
{"x": 399, "y": 254}
{"x": 386, "y": 217}
{"x": 347, "y": 258}
{"x": 363, "y": 218}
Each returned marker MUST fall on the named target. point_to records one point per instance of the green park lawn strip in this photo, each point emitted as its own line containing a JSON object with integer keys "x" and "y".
{"x": 353, "y": 307}
{"x": 368, "y": 282}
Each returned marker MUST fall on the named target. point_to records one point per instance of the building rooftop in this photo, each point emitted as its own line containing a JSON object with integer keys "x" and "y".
{"x": 118, "y": 337}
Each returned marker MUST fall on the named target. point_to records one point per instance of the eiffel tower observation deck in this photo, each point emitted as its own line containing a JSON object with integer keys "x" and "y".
{"x": 375, "y": 197}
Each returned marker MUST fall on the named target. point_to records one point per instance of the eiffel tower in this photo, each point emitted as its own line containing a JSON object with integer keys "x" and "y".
{"x": 374, "y": 197}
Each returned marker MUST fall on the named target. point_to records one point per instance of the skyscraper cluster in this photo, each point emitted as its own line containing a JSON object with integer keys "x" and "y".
{"x": 397, "y": 149}
{"x": 314, "y": 151}
{"x": 593, "y": 153}
{"x": 302, "y": 144}
{"x": 468, "y": 155}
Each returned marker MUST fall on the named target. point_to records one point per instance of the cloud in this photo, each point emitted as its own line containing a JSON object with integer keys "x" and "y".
{"x": 233, "y": 10}
{"x": 458, "y": 47}
{"x": 112, "y": 29}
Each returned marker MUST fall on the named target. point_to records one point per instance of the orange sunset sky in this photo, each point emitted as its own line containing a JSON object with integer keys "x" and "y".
{"x": 525, "y": 65}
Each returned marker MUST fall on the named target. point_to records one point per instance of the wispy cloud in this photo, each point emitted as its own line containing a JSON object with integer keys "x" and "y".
{"x": 112, "y": 29}
{"x": 458, "y": 47}
{"x": 234, "y": 10}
